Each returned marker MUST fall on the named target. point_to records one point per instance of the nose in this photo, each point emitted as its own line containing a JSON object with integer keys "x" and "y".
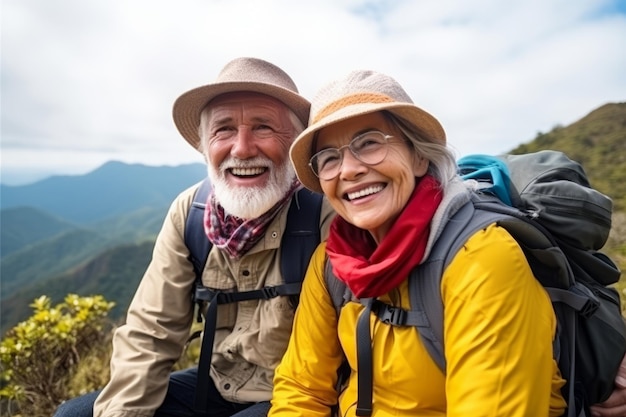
{"x": 244, "y": 146}
{"x": 350, "y": 167}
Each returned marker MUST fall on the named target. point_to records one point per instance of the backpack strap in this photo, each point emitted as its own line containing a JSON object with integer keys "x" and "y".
{"x": 338, "y": 291}
{"x": 196, "y": 240}
{"x": 301, "y": 237}
{"x": 195, "y": 237}
{"x": 364, "y": 360}
{"x": 425, "y": 285}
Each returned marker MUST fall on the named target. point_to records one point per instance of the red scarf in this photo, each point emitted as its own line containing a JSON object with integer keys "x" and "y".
{"x": 370, "y": 270}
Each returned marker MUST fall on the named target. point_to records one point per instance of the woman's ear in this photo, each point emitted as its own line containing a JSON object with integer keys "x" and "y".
{"x": 420, "y": 165}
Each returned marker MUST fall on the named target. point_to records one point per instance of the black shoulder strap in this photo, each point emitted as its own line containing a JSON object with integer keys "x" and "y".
{"x": 339, "y": 292}
{"x": 195, "y": 237}
{"x": 302, "y": 235}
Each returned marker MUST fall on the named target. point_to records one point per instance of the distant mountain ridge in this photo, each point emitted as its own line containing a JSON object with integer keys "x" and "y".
{"x": 93, "y": 234}
{"x": 115, "y": 188}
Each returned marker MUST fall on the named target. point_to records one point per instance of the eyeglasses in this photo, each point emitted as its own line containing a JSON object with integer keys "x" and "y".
{"x": 369, "y": 148}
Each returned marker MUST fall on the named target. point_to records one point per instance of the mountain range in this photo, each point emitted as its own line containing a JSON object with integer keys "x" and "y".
{"x": 93, "y": 233}
{"x": 87, "y": 234}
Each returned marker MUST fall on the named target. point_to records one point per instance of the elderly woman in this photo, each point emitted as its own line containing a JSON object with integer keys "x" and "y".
{"x": 383, "y": 164}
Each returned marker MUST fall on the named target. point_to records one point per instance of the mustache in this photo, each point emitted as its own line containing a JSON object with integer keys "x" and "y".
{"x": 255, "y": 162}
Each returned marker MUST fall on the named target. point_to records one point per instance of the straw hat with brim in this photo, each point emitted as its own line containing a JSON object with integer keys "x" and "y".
{"x": 240, "y": 74}
{"x": 361, "y": 92}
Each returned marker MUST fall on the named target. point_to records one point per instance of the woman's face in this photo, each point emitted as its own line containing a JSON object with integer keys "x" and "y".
{"x": 370, "y": 197}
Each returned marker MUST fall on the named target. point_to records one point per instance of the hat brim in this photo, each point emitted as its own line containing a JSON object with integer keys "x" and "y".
{"x": 188, "y": 107}
{"x": 302, "y": 148}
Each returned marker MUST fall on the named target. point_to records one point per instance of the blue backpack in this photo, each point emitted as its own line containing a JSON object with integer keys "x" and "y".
{"x": 545, "y": 202}
{"x": 301, "y": 237}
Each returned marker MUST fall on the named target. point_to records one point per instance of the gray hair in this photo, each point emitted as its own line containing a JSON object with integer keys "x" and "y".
{"x": 442, "y": 164}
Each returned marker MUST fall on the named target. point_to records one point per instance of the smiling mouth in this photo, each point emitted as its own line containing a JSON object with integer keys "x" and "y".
{"x": 373, "y": 189}
{"x": 247, "y": 172}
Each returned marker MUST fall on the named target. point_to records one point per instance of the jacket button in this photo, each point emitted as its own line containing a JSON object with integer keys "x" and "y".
{"x": 246, "y": 273}
{"x": 226, "y": 386}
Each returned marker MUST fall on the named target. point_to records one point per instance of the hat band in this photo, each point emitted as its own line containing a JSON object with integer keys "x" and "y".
{"x": 359, "y": 98}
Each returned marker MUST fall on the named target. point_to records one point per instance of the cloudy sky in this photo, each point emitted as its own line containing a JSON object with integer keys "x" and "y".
{"x": 85, "y": 82}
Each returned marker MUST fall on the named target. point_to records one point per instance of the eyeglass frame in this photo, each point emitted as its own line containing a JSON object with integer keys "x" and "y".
{"x": 340, "y": 150}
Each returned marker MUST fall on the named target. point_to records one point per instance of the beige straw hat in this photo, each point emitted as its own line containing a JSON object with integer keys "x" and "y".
{"x": 240, "y": 74}
{"x": 360, "y": 92}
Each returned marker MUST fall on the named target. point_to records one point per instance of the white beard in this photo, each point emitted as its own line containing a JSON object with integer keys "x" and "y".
{"x": 251, "y": 202}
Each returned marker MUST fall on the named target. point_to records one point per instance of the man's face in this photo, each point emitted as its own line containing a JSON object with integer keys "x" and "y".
{"x": 246, "y": 140}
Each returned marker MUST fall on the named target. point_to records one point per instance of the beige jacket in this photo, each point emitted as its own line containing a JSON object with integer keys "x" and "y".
{"x": 161, "y": 313}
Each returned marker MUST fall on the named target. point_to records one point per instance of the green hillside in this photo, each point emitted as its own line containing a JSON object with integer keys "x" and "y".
{"x": 143, "y": 223}
{"x": 48, "y": 257}
{"x": 114, "y": 273}
{"x": 23, "y": 225}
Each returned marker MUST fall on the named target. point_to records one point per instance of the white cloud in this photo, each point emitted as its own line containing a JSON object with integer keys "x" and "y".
{"x": 84, "y": 82}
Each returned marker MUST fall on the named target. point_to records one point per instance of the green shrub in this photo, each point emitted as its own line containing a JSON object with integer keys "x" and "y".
{"x": 39, "y": 356}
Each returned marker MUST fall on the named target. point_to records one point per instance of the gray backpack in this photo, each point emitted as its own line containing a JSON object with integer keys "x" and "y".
{"x": 545, "y": 202}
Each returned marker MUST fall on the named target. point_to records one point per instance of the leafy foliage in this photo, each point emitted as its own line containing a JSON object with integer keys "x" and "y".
{"x": 60, "y": 353}
{"x": 39, "y": 356}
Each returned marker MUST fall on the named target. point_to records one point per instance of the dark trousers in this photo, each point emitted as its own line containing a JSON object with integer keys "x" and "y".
{"x": 178, "y": 401}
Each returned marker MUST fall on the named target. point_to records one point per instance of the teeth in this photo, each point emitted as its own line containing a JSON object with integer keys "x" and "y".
{"x": 367, "y": 191}
{"x": 246, "y": 172}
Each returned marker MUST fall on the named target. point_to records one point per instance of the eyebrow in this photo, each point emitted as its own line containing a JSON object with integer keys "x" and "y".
{"x": 222, "y": 120}
{"x": 363, "y": 131}
{"x": 358, "y": 133}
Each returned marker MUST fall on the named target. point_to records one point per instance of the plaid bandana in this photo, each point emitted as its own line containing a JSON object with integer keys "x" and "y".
{"x": 233, "y": 234}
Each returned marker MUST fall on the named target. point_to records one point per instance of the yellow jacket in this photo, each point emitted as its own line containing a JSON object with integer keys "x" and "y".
{"x": 498, "y": 327}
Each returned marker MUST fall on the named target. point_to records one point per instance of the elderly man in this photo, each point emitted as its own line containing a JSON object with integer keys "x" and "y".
{"x": 243, "y": 124}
